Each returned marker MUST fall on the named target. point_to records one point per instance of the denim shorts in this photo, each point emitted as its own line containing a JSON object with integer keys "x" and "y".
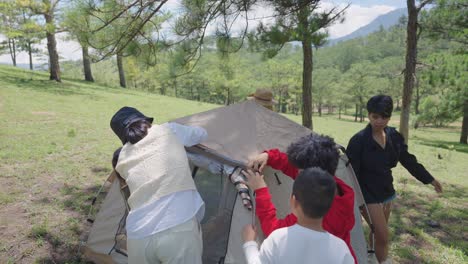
{"x": 389, "y": 199}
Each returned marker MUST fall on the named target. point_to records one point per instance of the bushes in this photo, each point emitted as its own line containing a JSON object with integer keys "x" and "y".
{"x": 438, "y": 111}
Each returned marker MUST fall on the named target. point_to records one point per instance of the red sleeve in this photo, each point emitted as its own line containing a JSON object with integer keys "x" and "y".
{"x": 279, "y": 161}
{"x": 340, "y": 218}
{"x": 266, "y": 213}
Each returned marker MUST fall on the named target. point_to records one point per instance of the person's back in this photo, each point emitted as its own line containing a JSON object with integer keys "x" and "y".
{"x": 298, "y": 244}
{"x": 165, "y": 207}
{"x": 306, "y": 241}
{"x": 312, "y": 150}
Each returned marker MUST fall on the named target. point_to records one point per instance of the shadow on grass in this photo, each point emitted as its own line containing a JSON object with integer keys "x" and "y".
{"x": 61, "y": 251}
{"x": 450, "y": 145}
{"x": 63, "y": 241}
{"x": 418, "y": 210}
{"x": 80, "y": 200}
{"x": 44, "y": 85}
{"x": 39, "y": 82}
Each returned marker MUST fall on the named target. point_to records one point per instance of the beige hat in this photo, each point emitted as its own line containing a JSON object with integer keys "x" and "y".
{"x": 263, "y": 97}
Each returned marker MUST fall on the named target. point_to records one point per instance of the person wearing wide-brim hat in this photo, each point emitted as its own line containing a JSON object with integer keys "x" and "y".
{"x": 263, "y": 97}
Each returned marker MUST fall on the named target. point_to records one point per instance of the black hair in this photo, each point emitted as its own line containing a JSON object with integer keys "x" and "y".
{"x": 314, "y": 189}
{"x": 115, "y": 157}
{"x": 314, "y": 151}
{"x": 380, "y": 104}
{"x": 136, "y": 131}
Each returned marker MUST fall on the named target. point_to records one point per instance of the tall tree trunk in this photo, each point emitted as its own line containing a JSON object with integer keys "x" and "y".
{"x": 356, "y": 113}
{"x": 228, "y": 97}
{"x": 320, "y": 108}
{"x": 339, "y": 111}
{"x": 54, "y": 66}
{"x": 175, "y": 86}
{"x": 191, "y": 92}
{"x": 163, "y": 88}
{"x": 123, "y": 83}
{"x": 410, "y": 67}
{"x": 87, "y": 64}
{"x": 307, "y": 84}
{"x": 12, "y": 47}
{"x": 464, "y": 132}
{"x": 280, "y": 101}
{"x": 361, "y": 117}
{"x": 31, "y": 66}
{"x": 417, "y": 99}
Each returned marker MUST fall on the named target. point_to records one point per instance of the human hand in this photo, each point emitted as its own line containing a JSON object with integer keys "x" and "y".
{"x": 259, "y": 162}
{"x": 248, "y": 233}
{"x": 254, "y": 179}
{"x": 437, "y": 186}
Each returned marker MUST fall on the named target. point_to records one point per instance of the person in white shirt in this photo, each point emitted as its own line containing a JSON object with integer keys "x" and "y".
{"x": 165, "y": 207}
{"x": 306, "y": 241}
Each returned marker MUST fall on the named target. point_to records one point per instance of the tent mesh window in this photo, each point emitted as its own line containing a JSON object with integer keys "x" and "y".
{"x": 219, "y": 197}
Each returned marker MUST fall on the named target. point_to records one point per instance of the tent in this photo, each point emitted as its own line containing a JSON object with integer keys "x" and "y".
{"x": 235, "y": 133}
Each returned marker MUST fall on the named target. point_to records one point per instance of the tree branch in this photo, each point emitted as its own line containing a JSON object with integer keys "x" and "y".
{"x": 422, "y": 4}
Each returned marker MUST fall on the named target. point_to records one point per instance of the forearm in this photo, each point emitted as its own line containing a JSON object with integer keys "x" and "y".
{"x": 279, "y": 161}
{"x": 252, "y": 254}
{"x": 416, "y": 169}
{"x": 266, "y": 213}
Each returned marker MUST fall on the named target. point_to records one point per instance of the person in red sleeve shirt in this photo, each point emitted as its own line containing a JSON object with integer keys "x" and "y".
{"x": 309, "y": 151}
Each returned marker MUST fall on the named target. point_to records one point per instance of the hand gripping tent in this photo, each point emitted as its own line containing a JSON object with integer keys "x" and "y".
{"x": 235, "y": 133}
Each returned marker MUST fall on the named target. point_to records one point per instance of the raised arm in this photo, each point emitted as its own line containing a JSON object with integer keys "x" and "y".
{"x": 415, "y": 168}
{"x": 265, "y": 208}
{"x": 279, "y": 161}
{"x": 188, "y": 135}
{"x": 252, "y": 254}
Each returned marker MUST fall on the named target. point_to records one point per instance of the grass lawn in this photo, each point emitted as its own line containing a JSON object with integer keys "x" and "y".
{"x": 56, "y": 147}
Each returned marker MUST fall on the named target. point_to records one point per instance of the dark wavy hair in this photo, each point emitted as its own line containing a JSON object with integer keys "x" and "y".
{"x": 136, "y": 131}
{"x": 314, "y": 151}
{"x": 380, "y": 104}
{"x": 314, "y": 189}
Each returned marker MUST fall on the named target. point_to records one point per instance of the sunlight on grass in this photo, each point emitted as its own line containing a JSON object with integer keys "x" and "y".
{"x": 56, "y": 147}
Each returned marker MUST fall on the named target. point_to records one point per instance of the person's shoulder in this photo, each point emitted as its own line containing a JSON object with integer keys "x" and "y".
{"x": 277, "y": 237}
{"x": 280, "y": 232}
{"x": 337, "y": 242}
{"x": 394, "y": 133}
{"x": 392, "y": 130}
{"x": 360, "y": 134}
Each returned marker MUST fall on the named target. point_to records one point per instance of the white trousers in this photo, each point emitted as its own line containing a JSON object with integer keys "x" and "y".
{"x": 181, "y": 244}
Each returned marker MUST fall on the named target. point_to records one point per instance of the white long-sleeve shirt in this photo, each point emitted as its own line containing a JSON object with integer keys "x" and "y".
{"x": 297, "y": 245}
{"x": 172, "y": 209}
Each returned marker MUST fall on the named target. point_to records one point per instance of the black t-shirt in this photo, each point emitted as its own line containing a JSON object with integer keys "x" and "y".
{"x": 373, "y": 164}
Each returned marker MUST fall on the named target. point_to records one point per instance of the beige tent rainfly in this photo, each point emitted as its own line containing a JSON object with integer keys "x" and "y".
{"x": 235, "y": 133}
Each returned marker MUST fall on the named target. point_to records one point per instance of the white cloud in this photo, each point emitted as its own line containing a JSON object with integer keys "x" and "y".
{"x": 67, "y": 49}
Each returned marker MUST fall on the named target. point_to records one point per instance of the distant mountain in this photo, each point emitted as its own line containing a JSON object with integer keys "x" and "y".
{"x": 386, "y": 20}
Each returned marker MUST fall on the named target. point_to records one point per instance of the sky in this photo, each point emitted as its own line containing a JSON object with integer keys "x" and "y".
{"x": 359, "y": 14}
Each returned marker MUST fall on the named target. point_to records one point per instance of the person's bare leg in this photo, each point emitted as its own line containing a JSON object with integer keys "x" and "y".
{"x": 387, "y": 210}
{"x": 377, "y": 215}
{"x": 366, "y": 218}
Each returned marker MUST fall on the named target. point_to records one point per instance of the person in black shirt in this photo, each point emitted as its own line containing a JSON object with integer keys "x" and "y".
{"x": 373, "y": 152}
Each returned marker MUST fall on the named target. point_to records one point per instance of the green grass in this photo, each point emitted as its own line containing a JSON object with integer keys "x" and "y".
{"x": 56, "y": 147}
